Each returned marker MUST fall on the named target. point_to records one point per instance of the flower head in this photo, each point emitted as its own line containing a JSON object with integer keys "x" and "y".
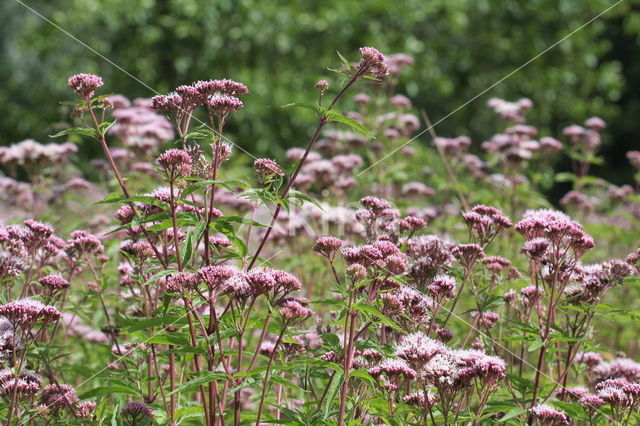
{"x": 322, "y": 85}
{"x": 25, "y": 312}
{"x": 54, "y": 282}
{"x": 175, "y": 162}
{"x": 546, "y": 414}
{"x": 135, "y": 411}
{"x": 373, "y": 62}
{"x": 85, "y": 85}
{"x": 327, "y": 246}
{"x": 293, "y": 310}
{"x": 59, "y": 396}
{"x": 266, "y": 169}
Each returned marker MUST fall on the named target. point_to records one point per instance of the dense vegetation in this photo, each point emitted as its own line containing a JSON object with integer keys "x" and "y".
{"x": 360, "y": 278}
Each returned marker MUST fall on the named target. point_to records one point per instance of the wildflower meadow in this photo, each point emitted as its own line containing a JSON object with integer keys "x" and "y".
{"x": 378, "y": 273}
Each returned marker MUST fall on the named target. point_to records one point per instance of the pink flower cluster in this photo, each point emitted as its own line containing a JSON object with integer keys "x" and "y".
{"x": 511, "y": 111}
{"x": 85, "y": 85}
{"x": 545, "y": 414}
{"x": 561, "y": 232}
{"x": 140, "y": 128}
{"x": 448, "y": 369}
{"x": 30, "y": 153}
{"x": 266, "y": 169}
{"x": 485, "y": 223}
{"x": 220, "y": 97}
{"x": 26, "y": 312}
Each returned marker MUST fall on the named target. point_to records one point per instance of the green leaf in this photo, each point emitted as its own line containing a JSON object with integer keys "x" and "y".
{"x": 336, "y": 383}
{"x": 514, "y": 412}
{"x": 192, "y": 239}
{"x": 537, "y": 344}
{"x": 77, "y": 131}
{"x": 203, "y": 378}
{"x": 362, "y": 374}
{"x": 103, "y": 128}
{"x": 315, "y": 108}
{"x": 104, "y": 390}
{"x": 297, "y": 195}
{"x": 114, "y": 197}
{"x": 372, "y": 310}
{"x": 335, "y": 116}
{"x": 344, "y": 61}
{"x": 284, "y": 382}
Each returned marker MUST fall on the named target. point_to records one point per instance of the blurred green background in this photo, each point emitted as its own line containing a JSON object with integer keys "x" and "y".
{"x": 280, "y": 48}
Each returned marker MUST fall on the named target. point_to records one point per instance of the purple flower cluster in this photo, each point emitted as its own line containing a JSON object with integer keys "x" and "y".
{"x": 266, "y": 169}
{"x": 511, "y": 111}
{"x": 327, "y": 246}
{"x": 545, "y": 414}
{"x": 176, "y": 162}
{"x": 372, "y": 63}
{"x": 561, "y": 232}
{"x": 485, "y": 223}
{"x": 85, "y": 85}
{"x": 30, "y": 154}
{"x": 26, "y": 312}
{"x": 140, "y": 128}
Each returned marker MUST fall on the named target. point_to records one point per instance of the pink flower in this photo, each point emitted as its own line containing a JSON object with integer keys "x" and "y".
{"x": 591, "y": 401}
{"x": 546, "y": 414}
{"x": 327, "y": 246}
{"x": 372, "y": 63}
{"x": 25, "y": 312}
{"x": 216, "y": 276}
{"x": 322, "y": 85}
{"x": 83, "y": 244}
{"x": 375, "y": 205}
{"x": 418, "y": 399}
{"x": 293, "y": 310}
{"x": 468, "y": 254}
{"x": 175, "y": 162}
{"x": 54, "y": 282}
{"x": 26, "y": 384}
{"x": 485, "y": 319}
{"x": 595, "y": 123}
{"x": 400, "y": 101}
{"x": 136, "y": 411}
{"x": 634, "y": 158}
{"x": 286, "y": 281}
{"x": 84, "y": 409}
{"x": 412, "y": 224}
{"x": 225, "y": 87}
{"x": 59, "y": 396}
{"x": 260, "y": 281}
{"x": 266, "y": 169}
{"x": 181, "y": 281}
{"x": 223, "y": 105}
{"x": 443, "y": 287}
{"x": 394, "y": 370}
{"x": 486, "y": 222}
{"x": 590, "y": 359}
{"x": 361, "y": 98}
{"x": 549, "y": 144}
{"x": 417, "y": 349}
{"x": 85, "y": 85}
{"x": 536, "y": 248}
